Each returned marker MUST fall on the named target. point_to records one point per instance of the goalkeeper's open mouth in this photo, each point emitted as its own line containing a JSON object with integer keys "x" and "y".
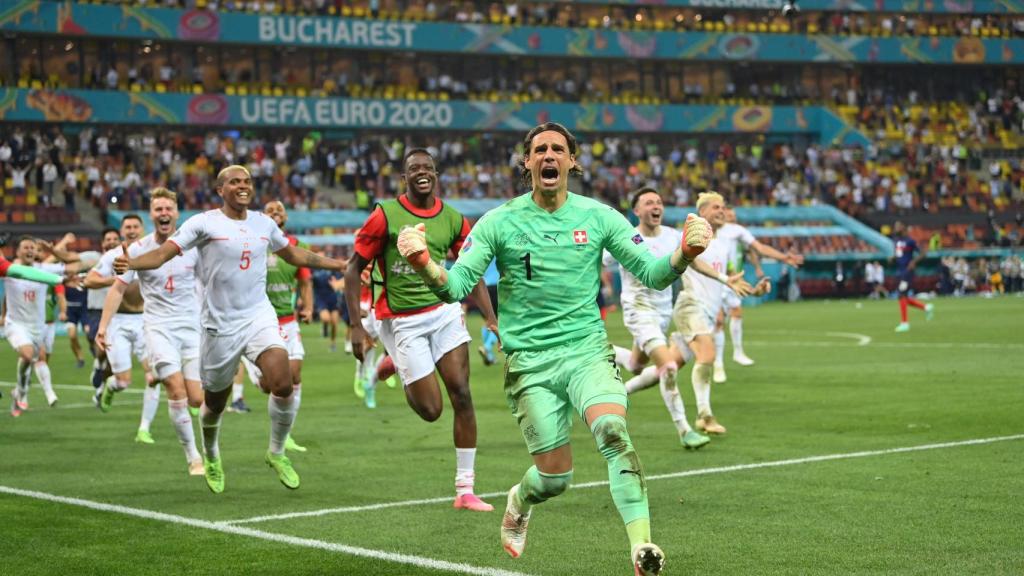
{"x": 549, "y": 176}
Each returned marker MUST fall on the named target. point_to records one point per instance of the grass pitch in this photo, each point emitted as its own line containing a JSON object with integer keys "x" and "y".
{"x": 832, "y": 380}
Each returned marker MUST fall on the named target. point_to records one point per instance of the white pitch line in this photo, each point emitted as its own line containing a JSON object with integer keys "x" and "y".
{"x": 862, "y": 339}
{"x": 138, "y": 390}
{"x": 394, "y": 557}
{"x": 819, "y": 344}
{"x": 697, "y": 472}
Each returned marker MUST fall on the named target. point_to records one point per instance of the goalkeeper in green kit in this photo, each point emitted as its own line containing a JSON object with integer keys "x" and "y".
{"x": 548, "y": 245}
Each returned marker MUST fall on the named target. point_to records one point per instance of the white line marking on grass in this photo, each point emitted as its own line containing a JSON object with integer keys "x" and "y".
{"x": 862, "y": 339}
{"x": 137, "y": 390}
{"x": 397, "y": 558}
{"x": 697, "y": 472}
{"x": 818, "y": 344}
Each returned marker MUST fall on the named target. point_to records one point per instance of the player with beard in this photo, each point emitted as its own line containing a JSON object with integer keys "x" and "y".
{"x": 420, "y": 332}
{"x": 548, "y": 244}
{"x": 169, "y": 312}
{"x": 237, "y": 317}
{"x": 647, "y": 313}
{"x": 23, "y": 318}
{"x": 125, "y": 334}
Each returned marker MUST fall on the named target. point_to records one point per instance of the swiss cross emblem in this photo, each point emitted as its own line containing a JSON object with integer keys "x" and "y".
{"x": 579, "y": 236}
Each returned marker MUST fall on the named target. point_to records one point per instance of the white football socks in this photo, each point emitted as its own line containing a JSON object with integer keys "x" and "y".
{"x": 700, "y": 377}
{"x": 736, "y": 331}
{"x": 465, "y": 459}
{"x": 182, "y": 421}
{"x": 645, "y": 379}
{"x": 210, "y": 423}
{"x": 43, "y": 374}
{"x": 150, "y": 404}
{"x": 282, "y": 415}
{"x": 719, "y": 345}
{"x": 670, "y": 394}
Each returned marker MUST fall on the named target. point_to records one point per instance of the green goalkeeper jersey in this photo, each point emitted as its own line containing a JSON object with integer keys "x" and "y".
{"x": 550, "y": 267}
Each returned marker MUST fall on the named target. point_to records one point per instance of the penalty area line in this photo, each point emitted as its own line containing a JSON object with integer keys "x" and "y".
{"x": 682, "y": 474}
{"x": 393, "y": 557}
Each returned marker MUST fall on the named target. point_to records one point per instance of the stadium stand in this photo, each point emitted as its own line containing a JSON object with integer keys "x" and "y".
{"x": 662, "y": 95}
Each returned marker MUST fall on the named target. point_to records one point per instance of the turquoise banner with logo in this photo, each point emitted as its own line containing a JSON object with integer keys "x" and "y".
{"x": 908, "y": 6}
{"x": 111, "y": 107}
{"x": 67, "y": 18}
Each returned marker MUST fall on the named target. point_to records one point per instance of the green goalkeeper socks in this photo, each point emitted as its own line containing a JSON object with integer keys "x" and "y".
{"x": 625, "y": 475}
{"x": 536, "y": 487}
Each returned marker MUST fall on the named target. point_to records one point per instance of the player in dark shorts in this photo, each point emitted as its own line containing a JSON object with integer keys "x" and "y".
{"x": 907, "y": 255}
{"x": 327, "y": 305}
{"x": 76, "y": 298}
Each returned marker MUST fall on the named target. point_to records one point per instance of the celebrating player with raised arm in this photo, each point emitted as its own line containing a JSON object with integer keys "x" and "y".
{"x": 23, "y": 320}
{"x": 647, "y": 313}
{"x": 237, "y": 317}
{"x": 168, "y": 318}
{"x": 548, "y": 244}
{"x": 420, "y": 332}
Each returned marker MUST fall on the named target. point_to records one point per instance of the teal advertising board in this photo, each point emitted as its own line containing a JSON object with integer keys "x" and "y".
{"x": 113, "y": 107}
{"x": 330, "y": 32}
{"x": 894, "y": 6}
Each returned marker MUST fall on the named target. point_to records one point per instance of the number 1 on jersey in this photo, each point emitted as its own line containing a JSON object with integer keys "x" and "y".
{"x": 529, "y": 269}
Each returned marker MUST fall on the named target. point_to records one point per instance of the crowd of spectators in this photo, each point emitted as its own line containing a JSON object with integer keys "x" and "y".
{"x": 631, "y": 17}
{"x": 106, "y": 166}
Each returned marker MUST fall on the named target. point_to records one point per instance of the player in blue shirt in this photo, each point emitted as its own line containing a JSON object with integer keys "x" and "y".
{"x": 907, "y": 255}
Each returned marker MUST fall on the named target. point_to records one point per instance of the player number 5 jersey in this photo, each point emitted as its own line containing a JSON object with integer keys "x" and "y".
{"x": 232, "y": 266}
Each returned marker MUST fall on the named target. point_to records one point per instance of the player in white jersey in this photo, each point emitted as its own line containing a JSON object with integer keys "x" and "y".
{"x": 697, "y": 307}
{"x": 125, "y": 335}
{"x": 740, "y": 240}
{"x": 24, "y": 320}
{"x": 237, "y": 317}
{"x": 169, "y": 320}
{"x": 647, "y": 312}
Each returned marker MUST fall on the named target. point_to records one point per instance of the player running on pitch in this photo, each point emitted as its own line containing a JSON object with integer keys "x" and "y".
{"x": 548, "y": 244}
{"x": 421, "y": 332}
{"x": 170, "y": 309}
{"x": 125, "y": 334}
{"x": 237, "y": 317}
{"x": 908, "y": 254}
{"x": 283, "y": 280}
{"x": 647, "y": 313}
{"x": 24, "y": 319}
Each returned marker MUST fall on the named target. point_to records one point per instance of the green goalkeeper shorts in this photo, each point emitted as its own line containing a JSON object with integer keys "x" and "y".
{"x": 544, "y": 386}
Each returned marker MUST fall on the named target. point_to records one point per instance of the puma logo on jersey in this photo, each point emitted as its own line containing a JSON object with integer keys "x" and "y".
{"x": 551, "y": 237}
